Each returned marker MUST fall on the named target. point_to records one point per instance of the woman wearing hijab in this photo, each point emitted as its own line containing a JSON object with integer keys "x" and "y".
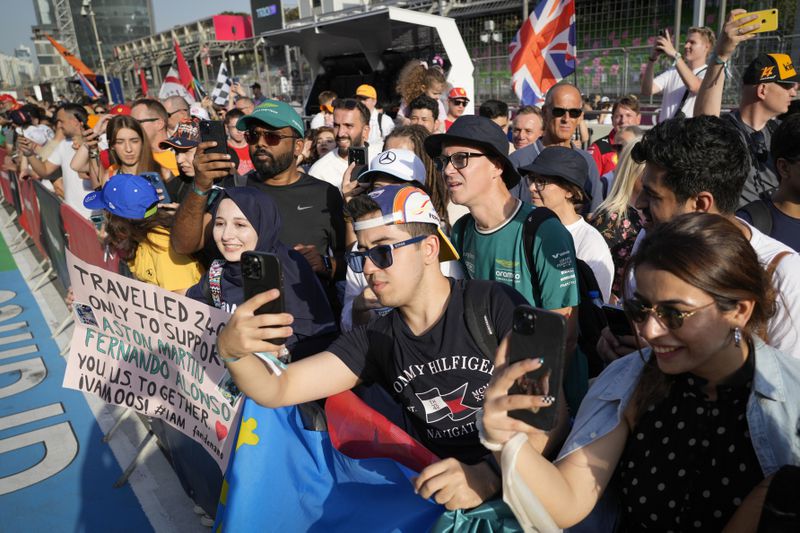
{"x": 247, "y": 219}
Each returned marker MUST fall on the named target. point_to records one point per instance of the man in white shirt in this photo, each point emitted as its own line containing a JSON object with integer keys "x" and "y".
{"x": 379, "y": 124}
{"x": 700, "y": 165}
{"x": 679, "y": 84}
{"x": 351, "y": 127}
{"x": 70, "y": 118}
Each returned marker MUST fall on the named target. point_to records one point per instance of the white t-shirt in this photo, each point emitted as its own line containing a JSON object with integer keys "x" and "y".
{"x": 591, "y": 248}
{"x": 672, "y": 89}
{"x": 783, "y": 330}
{"x": 317, "y": 121}
{"x": 331, "y": 167}
{"x": 376, "y": 136}
{"x": 75, "y": 188}
{"x": 355, "y": 284}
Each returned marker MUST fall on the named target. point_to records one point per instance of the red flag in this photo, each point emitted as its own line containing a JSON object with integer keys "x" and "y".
{"x": 184, "y": 73}
{"x": 142, "y": 79}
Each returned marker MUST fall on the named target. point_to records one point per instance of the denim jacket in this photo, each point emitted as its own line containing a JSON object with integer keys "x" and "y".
{"x": 773, "y": 414}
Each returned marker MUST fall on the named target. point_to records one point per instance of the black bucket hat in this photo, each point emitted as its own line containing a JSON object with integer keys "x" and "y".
{"x": 481, "y": 132}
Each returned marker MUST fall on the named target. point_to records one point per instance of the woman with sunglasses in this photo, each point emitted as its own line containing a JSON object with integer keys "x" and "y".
{"x": 681, "y": 434}
{"x": 139, "y": 232}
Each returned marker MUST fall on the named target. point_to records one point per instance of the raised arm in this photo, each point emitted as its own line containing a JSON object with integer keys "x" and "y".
{"x": 312, "y": 378}
{"x": 191, "y": 221}
{"x": 709, "y": 97}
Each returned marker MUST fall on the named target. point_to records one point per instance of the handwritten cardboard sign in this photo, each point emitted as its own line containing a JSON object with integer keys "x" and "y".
{"x": 139, "y": 346}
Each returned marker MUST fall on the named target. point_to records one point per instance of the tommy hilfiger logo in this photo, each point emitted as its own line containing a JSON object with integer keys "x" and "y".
{"x": 450, "y": 405}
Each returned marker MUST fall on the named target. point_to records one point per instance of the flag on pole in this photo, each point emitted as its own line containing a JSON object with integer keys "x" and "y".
{"x": 172, "y": 86}
{"x": 88, "y": 88}
{"x": 543, "y": 51}
{"x": 74, "y": 62}
{"x": 184, "y": 73}
{"x": 223, "y": 88}
{"x": 142, "y": 79}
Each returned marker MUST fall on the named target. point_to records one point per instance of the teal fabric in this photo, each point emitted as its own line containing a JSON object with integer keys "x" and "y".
{"x": 493, "y": 516}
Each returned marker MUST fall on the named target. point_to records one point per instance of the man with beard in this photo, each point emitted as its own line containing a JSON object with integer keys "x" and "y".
{"x": 311, "y": 210}
{"x": 351, "y": 127}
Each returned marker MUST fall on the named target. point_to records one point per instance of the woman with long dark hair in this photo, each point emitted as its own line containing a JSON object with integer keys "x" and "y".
{"x": 138, "y": 230}
{"x": 683, "y": 432}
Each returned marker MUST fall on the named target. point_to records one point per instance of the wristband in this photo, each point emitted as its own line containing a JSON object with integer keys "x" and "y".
{"x": 198, "y": 192}
{"x": 229, "y": 359}
{"x": 488, "y": 444}
{"x": 714, "y": 59}
{"x": 676, "y": 58}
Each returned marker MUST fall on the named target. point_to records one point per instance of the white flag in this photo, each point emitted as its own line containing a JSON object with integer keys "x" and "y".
{"x": 223, "y": 89}
{"x": 172, "y": 86}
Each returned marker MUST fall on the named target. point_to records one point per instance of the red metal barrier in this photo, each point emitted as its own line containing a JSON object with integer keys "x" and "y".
{"x": 5, "y": 186}
{"x": 30, "y": 220}
{"x": 83, "y": 242}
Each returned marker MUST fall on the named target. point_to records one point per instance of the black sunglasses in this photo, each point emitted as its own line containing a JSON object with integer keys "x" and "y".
{"x": 559, "y": 112}
{"x": 458, "y": 159}
{"x": 666, "y": 314}
{"x": 272, "y": 138}
{"x": 381, "y": 255}
{"x": 459, "y": 102}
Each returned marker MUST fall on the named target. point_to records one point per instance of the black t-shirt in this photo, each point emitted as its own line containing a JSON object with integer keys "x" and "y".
{"x": 439, "y": 377}
{"x": 312, "y": 211}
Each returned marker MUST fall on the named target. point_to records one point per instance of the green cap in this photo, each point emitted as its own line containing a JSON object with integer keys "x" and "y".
{"x": 273, "y": 113}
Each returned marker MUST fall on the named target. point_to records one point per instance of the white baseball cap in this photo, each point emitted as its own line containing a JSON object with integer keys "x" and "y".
{"x": 400, "y": 163}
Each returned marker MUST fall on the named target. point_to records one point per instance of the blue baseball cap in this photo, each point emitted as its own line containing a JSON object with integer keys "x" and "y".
{"x": 125, "y": 195}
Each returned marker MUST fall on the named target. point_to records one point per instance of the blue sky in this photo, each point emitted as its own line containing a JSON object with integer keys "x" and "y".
{"x": 16, "y": 29}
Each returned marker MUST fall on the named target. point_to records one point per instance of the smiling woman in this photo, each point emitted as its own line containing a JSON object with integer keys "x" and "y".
{"x": 707, "y": 383}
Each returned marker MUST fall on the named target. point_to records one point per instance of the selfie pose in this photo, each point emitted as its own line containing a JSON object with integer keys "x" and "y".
{"x": 685, "y": 435}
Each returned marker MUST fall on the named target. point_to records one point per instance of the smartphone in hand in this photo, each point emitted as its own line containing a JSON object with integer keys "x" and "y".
{"x": 537, "y": 333}
{"x": 617, "y": 321}
{"x": 261, "y": 271}
{"x": 357, "y": 156}
{"x": 158, "y": 182}
{"x": 214, "y": 130}
{"x": 768, "y": 18}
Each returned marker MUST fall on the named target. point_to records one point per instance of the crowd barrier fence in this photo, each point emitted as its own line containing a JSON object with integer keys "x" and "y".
{"x": 53, "y": 227}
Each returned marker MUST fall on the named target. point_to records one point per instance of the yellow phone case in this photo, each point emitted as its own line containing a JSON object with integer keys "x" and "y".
{"x": 768, "y": 19}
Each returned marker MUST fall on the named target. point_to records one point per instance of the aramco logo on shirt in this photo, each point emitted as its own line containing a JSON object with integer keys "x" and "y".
{"x": 506, "y": 270}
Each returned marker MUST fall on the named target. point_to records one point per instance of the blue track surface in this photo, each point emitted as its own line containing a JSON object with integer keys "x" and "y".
{"x": 65, "y": 485}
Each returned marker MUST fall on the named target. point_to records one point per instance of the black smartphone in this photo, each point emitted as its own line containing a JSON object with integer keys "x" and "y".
{"x": 214, "y": 130}
{"x": 538, "y": 333}
{"x": 261, "y": 271}
{"x": 357, "y": 156}
{"x": 158, "y": 182}
{"x": 617, "y": 321}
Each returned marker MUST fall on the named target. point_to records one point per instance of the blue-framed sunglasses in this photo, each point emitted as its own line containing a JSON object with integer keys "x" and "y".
{"x": 381, "y": 255}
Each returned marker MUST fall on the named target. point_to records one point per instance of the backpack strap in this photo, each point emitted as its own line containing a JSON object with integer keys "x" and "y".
{"x": 478, "y": 316}
{"x": 380, "y": 123}
{"x": 529, "y": 228}
{"x": 760, "y": 215}
{"x": 239, "y": 180}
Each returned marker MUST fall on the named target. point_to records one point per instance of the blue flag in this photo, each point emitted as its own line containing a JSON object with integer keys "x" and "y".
{"x": 283, "y": 477}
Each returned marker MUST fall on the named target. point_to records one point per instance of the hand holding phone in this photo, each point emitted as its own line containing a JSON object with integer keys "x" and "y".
{"x": 261, "y": 272}
{"x": 766, "y": 20}
{"x": 159, "y": 185}
{"x": 537, "y": 333}
{"x": 214, "y": 130}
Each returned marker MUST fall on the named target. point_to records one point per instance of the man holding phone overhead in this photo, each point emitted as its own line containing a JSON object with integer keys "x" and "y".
{"x": 420, "y": 352}
{"x": 680, "y": 83}
{"x": 311, "y": 210}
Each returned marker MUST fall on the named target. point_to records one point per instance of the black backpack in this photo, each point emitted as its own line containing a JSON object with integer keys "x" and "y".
{"x": 591, "y": 319}
{"x": 760, "y": 215}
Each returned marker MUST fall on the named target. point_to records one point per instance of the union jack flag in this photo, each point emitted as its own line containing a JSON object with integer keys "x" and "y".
{"x": 543, "y": 51}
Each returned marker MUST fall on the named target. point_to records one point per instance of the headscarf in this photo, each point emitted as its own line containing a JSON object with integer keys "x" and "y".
{"x": 304, "y": 297}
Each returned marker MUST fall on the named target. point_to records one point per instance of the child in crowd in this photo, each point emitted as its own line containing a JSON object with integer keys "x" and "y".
{"x": 416, "y": 79}
{"x": 139, "y": 231}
